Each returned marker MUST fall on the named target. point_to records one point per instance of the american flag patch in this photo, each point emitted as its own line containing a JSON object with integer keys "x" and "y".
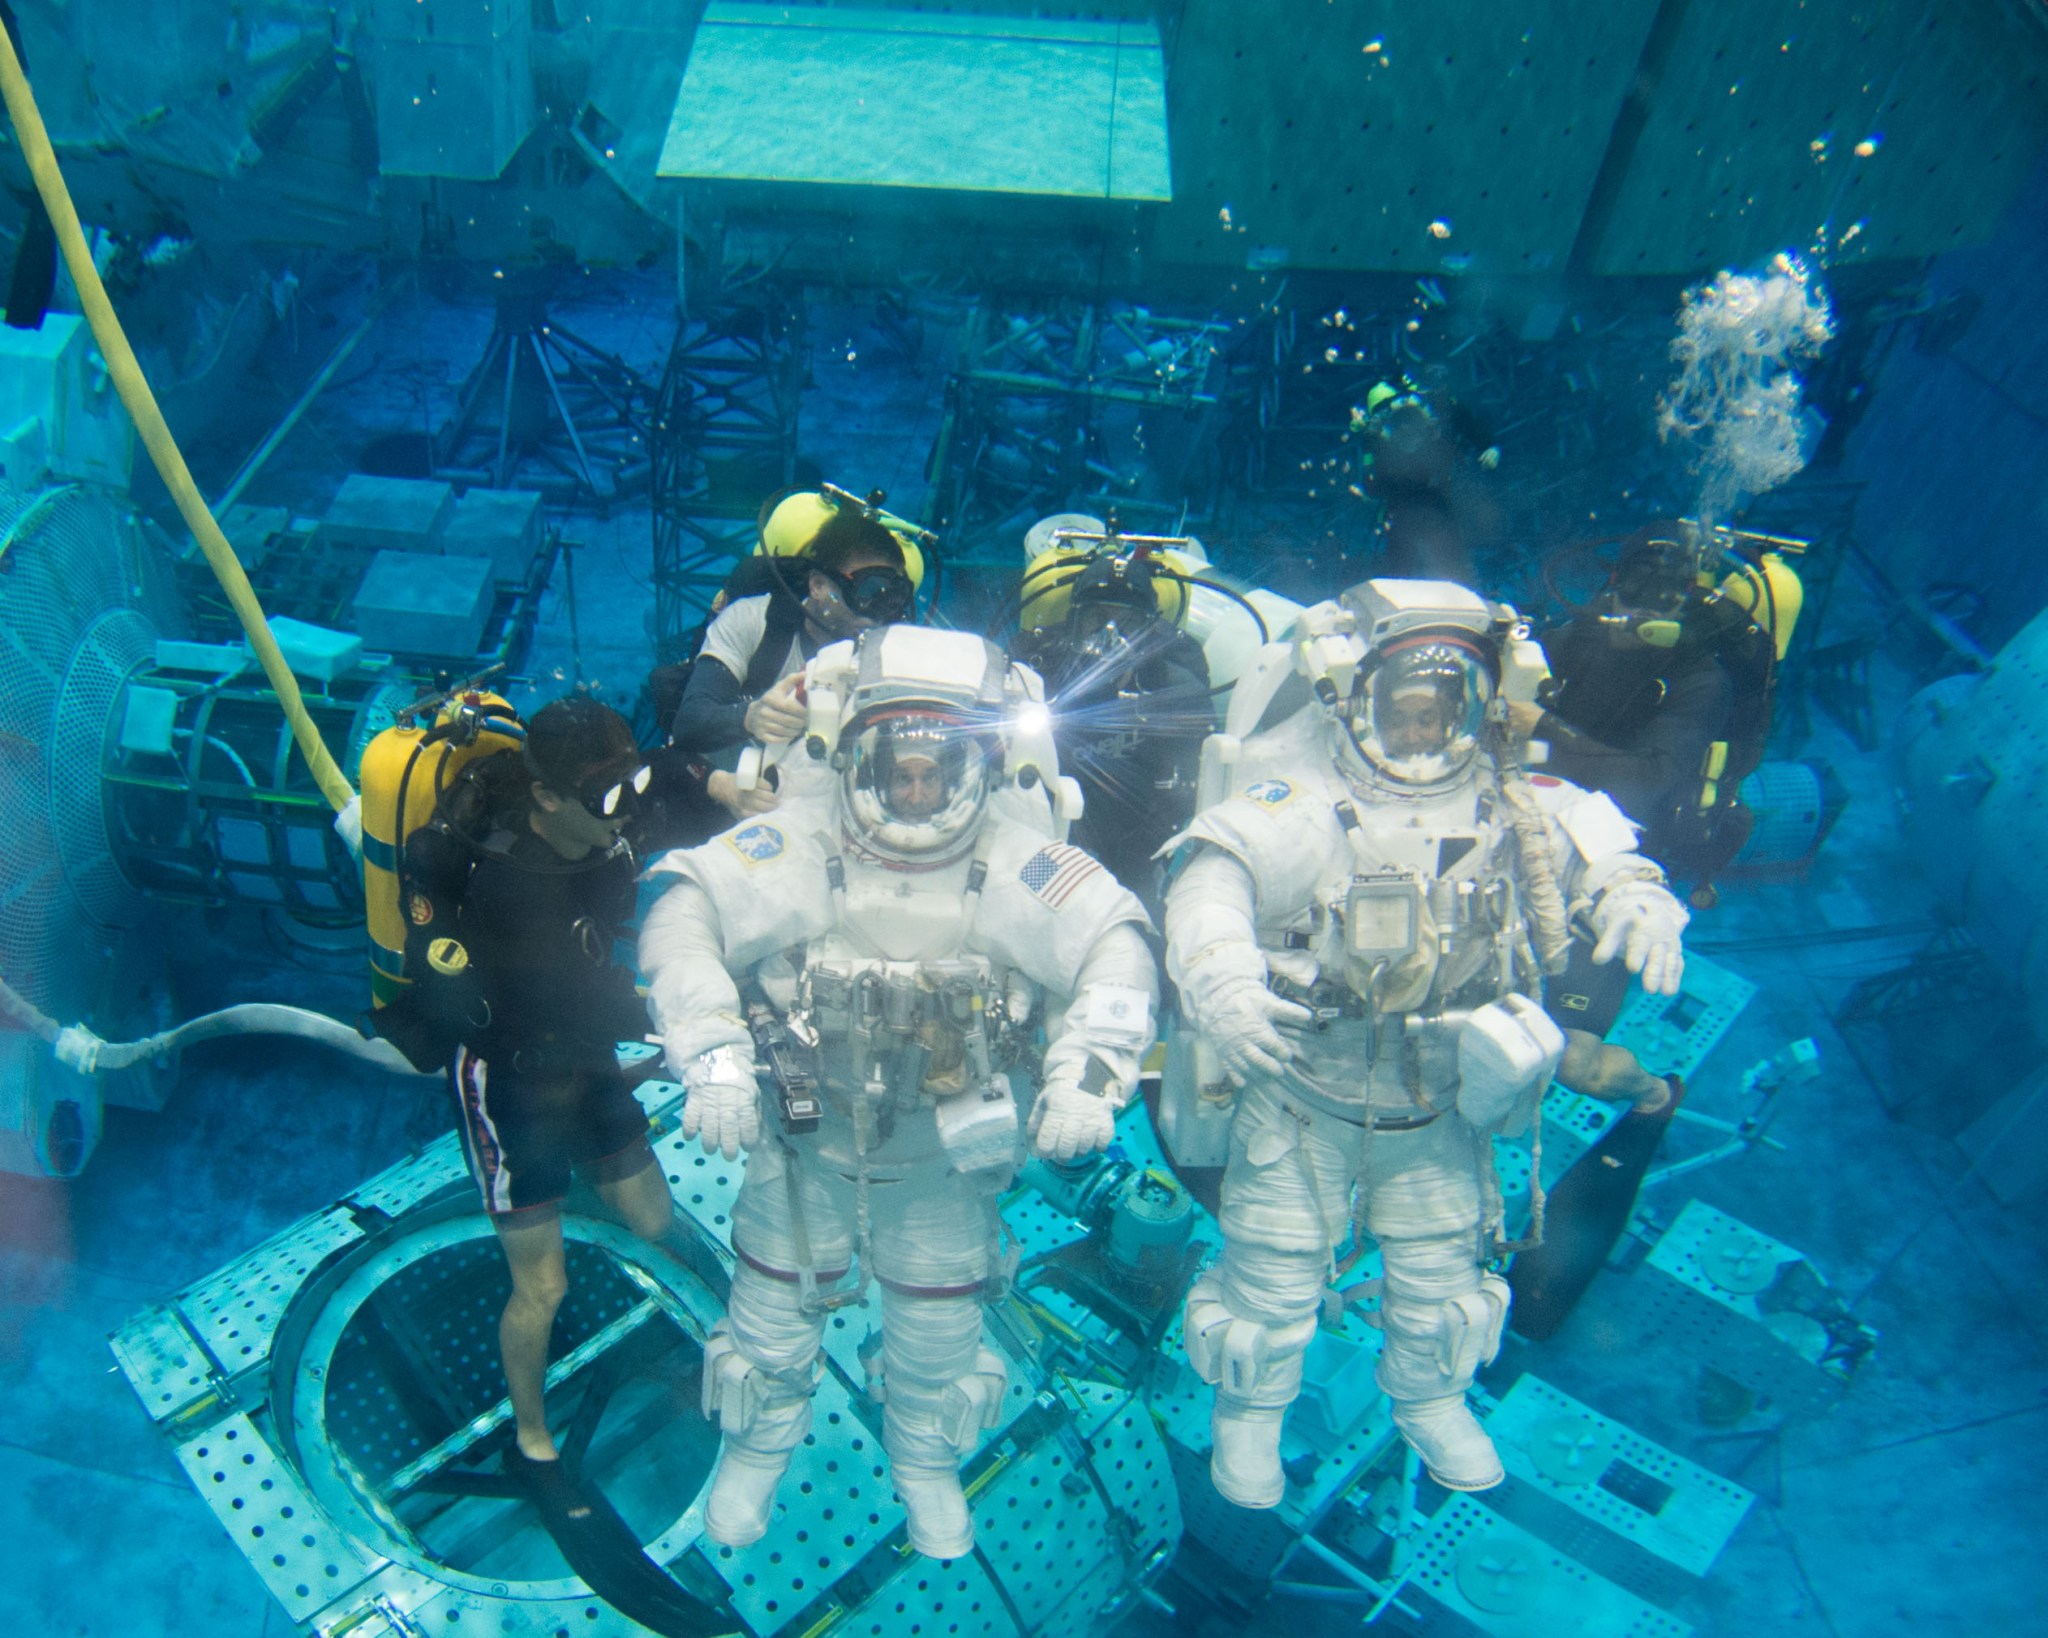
{"x": 1054, "y": 872}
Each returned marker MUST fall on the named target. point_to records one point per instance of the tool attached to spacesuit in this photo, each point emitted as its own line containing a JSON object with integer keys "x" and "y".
{"x": 1360, "y": 935}
{"x": 912, "y": 930}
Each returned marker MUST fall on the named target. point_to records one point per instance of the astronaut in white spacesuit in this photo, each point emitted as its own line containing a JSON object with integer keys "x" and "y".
{"x": 1357, "y": 936}
{"x": 907, "y": 934}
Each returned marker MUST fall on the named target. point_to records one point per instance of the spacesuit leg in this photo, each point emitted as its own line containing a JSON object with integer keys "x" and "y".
{"x": 761, "y": 1360}
{"x": 1441, "y": 1312}
{"x": 940, "y": 1387}
{"x": 1249, "y": 1319}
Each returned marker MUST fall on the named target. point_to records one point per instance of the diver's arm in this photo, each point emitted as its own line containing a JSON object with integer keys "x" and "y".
{"x": 713, "y": 715}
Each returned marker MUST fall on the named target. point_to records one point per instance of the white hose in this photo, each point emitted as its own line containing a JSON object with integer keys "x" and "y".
{"x": 85, "y": 1052}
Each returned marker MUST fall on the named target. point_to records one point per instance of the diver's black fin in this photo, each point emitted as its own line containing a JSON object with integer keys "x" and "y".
{"x": 1589, "y": 1208}
{"x": 601, "y": 1548}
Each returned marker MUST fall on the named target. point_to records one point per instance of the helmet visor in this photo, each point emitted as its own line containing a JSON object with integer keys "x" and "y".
{"x": 917, "y": 780}
{"x": 1415, "y": 716}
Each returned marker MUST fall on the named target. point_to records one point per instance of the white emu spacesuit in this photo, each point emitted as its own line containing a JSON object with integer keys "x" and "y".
{"x": 903, "y": 930}
{"x": 1357, "y": 937}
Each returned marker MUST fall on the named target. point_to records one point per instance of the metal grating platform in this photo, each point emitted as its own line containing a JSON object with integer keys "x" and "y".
{"x": 304, "y": 1560}
{"x": 1672, "y": 1034}
{"x": 1130, "y": 1464}
{"x": 236, "y": 1312}
{"x": 401, "y": 1187}
{"x": 1719, "y": 1321}
{"x": 165, "y": 1364}
{"x": 1028, "y": 1527}
{"x": 834, "y": 1507}
{"x": 1620, "y": 1480}
{"x": 957, "y": 1599}
{"x": 1504, "y": 1581}
{"x": 704, "y": 1185}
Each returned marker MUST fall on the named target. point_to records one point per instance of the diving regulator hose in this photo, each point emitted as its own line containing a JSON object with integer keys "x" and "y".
{"x": 141, "y": 405}
{"x": 76, "y": 1045}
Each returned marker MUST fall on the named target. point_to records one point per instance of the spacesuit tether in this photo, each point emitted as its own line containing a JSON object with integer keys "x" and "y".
{"x": 1361, "y": 940}
{"x": 895, "y": 934}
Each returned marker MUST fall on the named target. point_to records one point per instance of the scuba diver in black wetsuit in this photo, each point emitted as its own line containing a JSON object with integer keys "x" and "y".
{"x": 1129, "y": 695}
{"x": 514, "y": 894}
{"x": 830, "y": 567}
{"x": 1661, "y": 698}
{"x": 1422, "y": 449}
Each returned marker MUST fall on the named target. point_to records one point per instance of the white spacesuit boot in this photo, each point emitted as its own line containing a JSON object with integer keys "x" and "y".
{"x": 1443, "y": 1317}
{"x": 760, "y": 1367}
{"x": 941, "y": 1389}
{"x": 1246, "y": 1333}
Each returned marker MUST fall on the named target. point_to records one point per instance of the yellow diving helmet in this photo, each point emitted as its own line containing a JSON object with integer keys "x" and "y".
{"x": 794, "y": 521}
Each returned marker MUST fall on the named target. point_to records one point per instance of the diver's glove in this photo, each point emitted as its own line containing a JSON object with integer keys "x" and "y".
{"x": 1641, "y": 921}
{"x": 1239, "y": 1017}
{"x": 1067, "y": 1123}
{"x": 722, "y": 1105}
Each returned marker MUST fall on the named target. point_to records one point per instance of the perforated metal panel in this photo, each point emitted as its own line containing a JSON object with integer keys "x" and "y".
{"x": 704, "y": 1185}
{"x": 1685, "y": 1515}
{"x": 1672, "y": 1034}
{"x": 1571, "y": 1125}
{"x": 957, "y": 1599}
{"x": 1130, "y": 1462}
{"x": 303, "y": 1559}
{"x": 401, "y": 1187}
{"x": 1335, "y": 136}
{"x": 164, "y": 1362}
{"x": 237, "y": 1311}
{"x": 834, "y": 1506}
{"x": 1503, "y": 1580}
{"x": 1683, "y": 1303}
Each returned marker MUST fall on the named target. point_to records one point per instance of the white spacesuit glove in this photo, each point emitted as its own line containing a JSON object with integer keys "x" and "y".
{"x": 722, "y": 1105}
{"x": 1238, "y": 1018}
{"x": 1067, "y": 1123}
{"x": 1642, "y": 922}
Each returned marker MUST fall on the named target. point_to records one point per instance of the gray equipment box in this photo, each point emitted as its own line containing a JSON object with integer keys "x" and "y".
{"x": 503, "y": 525}
{"x": 413, "y": 603}
{"x": 387, "y": 514}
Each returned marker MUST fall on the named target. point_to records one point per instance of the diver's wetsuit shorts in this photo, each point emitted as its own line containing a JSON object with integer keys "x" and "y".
{"x": 525, "y": 1134}
{"x": 1584, "y": 996}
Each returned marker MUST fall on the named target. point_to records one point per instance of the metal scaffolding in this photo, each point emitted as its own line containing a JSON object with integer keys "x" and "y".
{"x": 723, "y": 438}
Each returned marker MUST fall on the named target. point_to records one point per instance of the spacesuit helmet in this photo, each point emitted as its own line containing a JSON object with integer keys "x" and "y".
{"x": 922, "y": 747}
{"x": 1412, "y": 721}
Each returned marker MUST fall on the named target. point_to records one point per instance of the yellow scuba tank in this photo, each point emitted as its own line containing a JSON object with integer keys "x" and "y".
{"x": 412, "y": 765}
{"x": 1046, "y": 590}
{"x": 1770, "y": 593}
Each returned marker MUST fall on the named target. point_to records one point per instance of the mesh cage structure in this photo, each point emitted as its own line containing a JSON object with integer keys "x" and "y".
{"x": 85, "y": 589}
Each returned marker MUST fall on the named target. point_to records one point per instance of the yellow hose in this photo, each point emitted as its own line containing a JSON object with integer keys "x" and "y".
{"x": 149, "y": 422}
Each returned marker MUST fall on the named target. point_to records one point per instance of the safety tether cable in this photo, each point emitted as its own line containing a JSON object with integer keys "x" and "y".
{"x": 149, "y": 423}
